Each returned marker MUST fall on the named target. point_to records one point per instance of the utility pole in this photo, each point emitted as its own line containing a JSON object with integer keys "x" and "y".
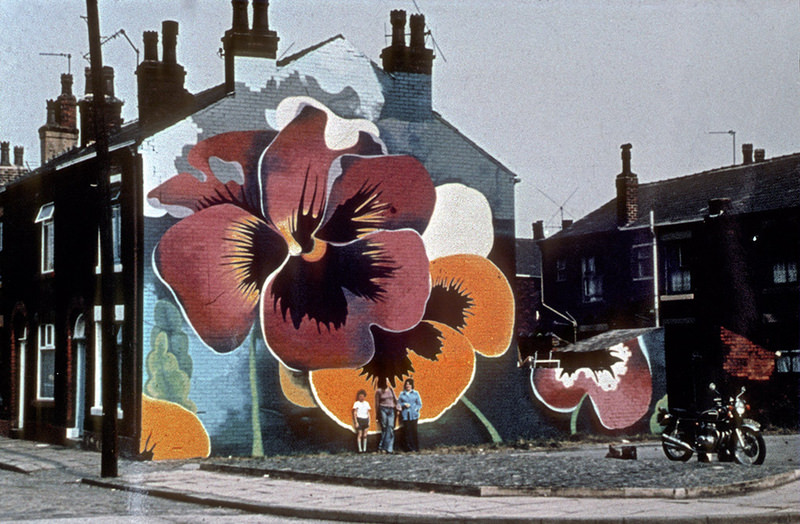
{"x": 110, "y": 373}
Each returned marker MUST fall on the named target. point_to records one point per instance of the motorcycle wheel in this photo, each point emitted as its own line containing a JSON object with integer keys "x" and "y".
{"x": 753, "y": 452}
{"x": 674, "y": 453}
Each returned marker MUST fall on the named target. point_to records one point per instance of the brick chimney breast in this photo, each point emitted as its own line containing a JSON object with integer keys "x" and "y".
{"x": 627, "y": 190}
{"x": 240, "y": 41}
{"x": 760, "y": 155}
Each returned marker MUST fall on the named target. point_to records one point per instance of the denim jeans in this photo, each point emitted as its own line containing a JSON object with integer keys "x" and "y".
{"x": 387, "y": 429}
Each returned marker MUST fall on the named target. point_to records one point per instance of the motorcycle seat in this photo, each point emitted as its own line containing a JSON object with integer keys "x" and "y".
{"x": 682, "y": 413}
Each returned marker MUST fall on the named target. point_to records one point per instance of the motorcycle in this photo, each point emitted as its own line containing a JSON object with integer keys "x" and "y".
{"x": 722, "y": 430}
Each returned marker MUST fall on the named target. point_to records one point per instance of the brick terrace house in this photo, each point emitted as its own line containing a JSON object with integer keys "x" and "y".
{"x": 712, "y": 257}
{"x": 190, "y": 374}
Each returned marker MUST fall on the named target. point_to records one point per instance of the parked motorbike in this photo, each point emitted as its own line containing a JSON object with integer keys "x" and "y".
{"x": 722, "y": 430}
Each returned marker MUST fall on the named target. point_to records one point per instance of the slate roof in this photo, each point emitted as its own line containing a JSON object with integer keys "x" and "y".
{"x": 604, "y": 340}
{"x": 763, "y": 186}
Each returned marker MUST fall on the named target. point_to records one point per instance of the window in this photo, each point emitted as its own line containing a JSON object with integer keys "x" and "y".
{"x": 787, "y": 361}
{"x": 116, "y": 228}
{"x": 784, "y": 272}
{"x": 45, "y": 218}
{"x": 642, "y": 261}
{"x": 561, "y": 270}
{"x": 45, "y": 389}
{"x": 592, "y": 280}
{"x": 676, "y": 265}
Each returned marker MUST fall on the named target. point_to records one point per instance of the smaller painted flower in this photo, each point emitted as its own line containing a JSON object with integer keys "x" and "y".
{"x": 617, "y": 380}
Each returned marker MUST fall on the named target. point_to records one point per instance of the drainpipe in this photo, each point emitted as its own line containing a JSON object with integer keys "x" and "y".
{"x": 656, "y": 307}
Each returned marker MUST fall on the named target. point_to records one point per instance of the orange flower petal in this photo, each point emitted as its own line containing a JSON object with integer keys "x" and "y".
{"x": 295, "y": 387}
{"x": 441, "y": 382}
{"x": 173, "y": 431}
{"x": 489, "y": 321}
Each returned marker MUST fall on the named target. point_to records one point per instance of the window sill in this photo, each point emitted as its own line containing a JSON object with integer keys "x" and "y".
{"x": 117, "y": 269}
{"x": 670, "y": 298}
{"x": 97, "y": 411}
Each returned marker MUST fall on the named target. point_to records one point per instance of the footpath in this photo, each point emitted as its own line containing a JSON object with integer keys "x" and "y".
{"x": 508, "y": 485}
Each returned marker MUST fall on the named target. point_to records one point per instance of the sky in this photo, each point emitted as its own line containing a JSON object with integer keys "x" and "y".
{"x": 549, "y": 88}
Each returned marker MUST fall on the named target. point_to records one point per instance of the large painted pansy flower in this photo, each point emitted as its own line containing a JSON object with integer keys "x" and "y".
{"x": 617, "y": 380}
{"x": 470, "y": 310}
{"x": 313, "y": 230}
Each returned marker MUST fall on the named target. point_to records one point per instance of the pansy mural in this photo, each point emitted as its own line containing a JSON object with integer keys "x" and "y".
{"x": 617, "y": 380}
{"x": 347, "y": 259}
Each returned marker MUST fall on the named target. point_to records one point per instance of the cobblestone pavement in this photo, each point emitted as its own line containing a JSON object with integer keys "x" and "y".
{"x": 277, "y": 487}
{"x": 584, "y": 467}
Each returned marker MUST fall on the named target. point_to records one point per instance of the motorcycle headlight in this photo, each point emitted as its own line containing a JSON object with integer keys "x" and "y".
{"x": 740, "y": 407}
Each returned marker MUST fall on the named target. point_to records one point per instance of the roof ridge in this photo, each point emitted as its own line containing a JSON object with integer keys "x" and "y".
{"x": 291, "y": 58}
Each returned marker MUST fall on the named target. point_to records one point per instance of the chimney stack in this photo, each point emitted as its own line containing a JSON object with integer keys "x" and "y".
{"x": 747, "y": 154}
{"x": 114, "y": 105}
{"x": 161, "y": 93}
{"x": 19, "y": 152}
{"x": 408, "y": 95}
{"x": 241, "y": 41}
{"x": 718, "y": 206}
{"x": 538, "y": 230}
{"x": 60, "y": 131}
{"x": 760, "y": 155}
{"x": 399, "y": 58}
{"x": 4, "y": 158}
{"x": 565, "y": 223}
{"x": 627, "y": 190}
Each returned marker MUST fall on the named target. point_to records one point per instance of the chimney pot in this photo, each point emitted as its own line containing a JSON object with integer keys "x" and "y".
{"x": 760, "y": 155}
{"x": 51, "y": 112}
{"x": 626, "y": 158}
{"x": 240, "y": 23}
{"x": 398, "y": 20}
{"x": 417, "y": 24}
{"x": 66, "y": 84}
{"x": 19, "y": 152}
{"x": 4, "y": 161}
{"x": 718, "y": 206}
{"x": 260, "y": 17}
{"x": 538, "y": 230}
{"x": 150, "y": 39}
{"x": 169, "y": 28}
{"x": 747, "y": 153}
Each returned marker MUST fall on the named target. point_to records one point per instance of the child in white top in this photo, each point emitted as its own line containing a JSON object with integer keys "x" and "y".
{"x": 361, "y": 410}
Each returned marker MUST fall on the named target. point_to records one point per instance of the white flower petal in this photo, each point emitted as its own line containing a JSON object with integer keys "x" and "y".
{"x": 461, "y": 223}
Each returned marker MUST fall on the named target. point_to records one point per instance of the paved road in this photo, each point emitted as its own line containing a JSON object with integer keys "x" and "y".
{"x": 183, "y": 492}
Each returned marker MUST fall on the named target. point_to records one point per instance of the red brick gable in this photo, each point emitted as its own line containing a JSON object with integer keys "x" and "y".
{"x": 746, "y": 359}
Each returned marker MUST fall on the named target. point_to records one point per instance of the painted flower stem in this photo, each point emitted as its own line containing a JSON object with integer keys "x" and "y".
{"x": 482, "y": 418}
{"x": 258, "y": 445}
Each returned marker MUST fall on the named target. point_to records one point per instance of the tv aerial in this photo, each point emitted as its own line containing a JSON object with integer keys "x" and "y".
{"x": 63, "y": 55}
{"x": 728, "y": 132}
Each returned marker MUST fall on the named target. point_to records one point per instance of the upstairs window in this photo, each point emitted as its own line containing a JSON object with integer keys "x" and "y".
{"x": 561, "y": 270}
{"x": 677, "y": 269}
{"x": 642, "y": 262}
{"x": 592, "y": 280}
{"x": 45, "y": 218}
{"x": 784, "y": 272}
{"x": 45, "y": 389}
{"x": 116, "y": 228}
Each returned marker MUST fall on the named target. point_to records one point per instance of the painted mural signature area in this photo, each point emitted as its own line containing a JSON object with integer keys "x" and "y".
{"x": 340, "y": 255}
